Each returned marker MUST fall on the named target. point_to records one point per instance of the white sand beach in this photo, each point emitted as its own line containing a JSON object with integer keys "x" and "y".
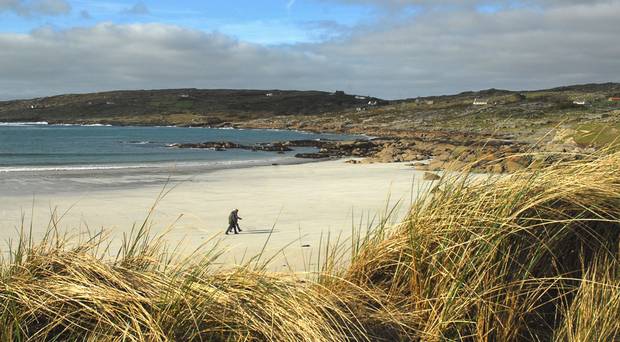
{"x": 302, "y": 203}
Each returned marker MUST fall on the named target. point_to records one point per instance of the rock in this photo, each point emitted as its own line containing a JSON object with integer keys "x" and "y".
{"x": 436, "y": 165}
{"x": 443, "y": 157}
{"x": 516, "y": 163}
{"x": 305, "y": 143}
{"x": 429, "y": 176}
{"x": 511, "y": 166}
{"x": 455, "y": 165}
{"x": 223, "y": 145}
{"x": 495, "y": 168}
{"x": 311, "y": 155}
{"x": 352, "y": 161}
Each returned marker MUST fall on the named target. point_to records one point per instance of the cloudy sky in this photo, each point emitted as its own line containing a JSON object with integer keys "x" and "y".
{"x": 384, "y": 48}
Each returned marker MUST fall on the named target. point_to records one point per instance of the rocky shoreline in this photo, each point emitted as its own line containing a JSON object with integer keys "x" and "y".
{"x": 490, "y": 156}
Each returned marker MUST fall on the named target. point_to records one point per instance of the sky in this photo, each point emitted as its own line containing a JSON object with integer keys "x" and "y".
{"x": 385, "y": 48}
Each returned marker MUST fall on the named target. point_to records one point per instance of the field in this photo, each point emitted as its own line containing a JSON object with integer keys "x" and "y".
{"x": 534, "y": 255}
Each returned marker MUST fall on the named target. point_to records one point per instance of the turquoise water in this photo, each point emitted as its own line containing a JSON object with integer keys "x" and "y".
{"x": 32, "y": 147}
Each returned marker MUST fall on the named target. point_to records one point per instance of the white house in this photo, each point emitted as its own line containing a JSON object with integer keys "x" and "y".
{"x": 269, "y": 94}
{"x": 372, "y": 103}
{"x": 579, "y": 103}
{"x": 360, "y": 97}
{"x": 480, "y": 103}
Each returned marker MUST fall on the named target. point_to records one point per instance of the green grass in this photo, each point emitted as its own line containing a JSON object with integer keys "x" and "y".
{"x": 530, "y": 256}
{"x": 184, "y": 105}
{"x": 598, "y": 135}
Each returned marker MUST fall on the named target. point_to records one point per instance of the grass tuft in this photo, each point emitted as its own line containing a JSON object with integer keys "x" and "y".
{"x": 530, "y": 256}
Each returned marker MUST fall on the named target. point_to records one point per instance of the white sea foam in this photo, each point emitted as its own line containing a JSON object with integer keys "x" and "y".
{"x": 153, "y": 166}
{"x": 38, "y": 123}
{"x": 146, "y": 142}
{"x": 68, "y": 168}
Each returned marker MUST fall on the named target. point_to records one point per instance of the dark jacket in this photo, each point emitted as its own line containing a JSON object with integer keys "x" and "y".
{"x": 233, "y": 219}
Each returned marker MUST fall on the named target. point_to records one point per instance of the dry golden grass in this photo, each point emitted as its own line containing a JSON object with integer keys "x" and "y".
{"x": 530, "y": 256}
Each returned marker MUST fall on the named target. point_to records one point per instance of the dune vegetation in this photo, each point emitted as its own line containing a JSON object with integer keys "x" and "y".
{"x": 529, "y": 256}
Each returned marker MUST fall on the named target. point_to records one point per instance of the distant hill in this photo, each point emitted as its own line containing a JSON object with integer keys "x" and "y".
{"x": 178, "y": 106}
{"x": 221, "y": 107}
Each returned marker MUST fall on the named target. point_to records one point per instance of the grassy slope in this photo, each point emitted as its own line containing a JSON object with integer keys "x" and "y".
{"x": 530, "y": 256}
{"x": 175, "y": 106}
{"x": 527, "y": 116}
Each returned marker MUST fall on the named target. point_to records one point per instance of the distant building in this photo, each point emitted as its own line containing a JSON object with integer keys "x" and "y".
{"x": 269, "y": 94}
{"x": 372, "y": 103}
{"x": 427, "y": 102}
{"x": 184, "y": 96}
{"x": 360, "y": 97}
{"x": 360, "y": 109}
{"x": 109, "y": 103}
{"x": 579, "y": 103}
{"x": 480, "y": 103}
{"x": 614, "y": 99}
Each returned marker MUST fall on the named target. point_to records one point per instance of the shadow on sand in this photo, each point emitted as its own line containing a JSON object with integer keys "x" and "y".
{"x": 258, "y": 231}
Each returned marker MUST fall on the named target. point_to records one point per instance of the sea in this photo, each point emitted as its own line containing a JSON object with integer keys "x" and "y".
{"x": 33, "y": 155}
{"x": 39, "y": 146}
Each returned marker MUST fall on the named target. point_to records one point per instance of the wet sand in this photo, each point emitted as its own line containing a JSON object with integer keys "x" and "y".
{"x": 289, "y": 205}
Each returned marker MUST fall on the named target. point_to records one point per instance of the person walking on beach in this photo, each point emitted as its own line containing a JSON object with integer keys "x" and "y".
{"x": 233, "y": 222}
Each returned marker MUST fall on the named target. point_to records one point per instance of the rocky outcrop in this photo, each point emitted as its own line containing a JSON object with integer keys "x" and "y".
{"x": 429, "y": 176}
{"x": 455, "y": 153}
{"x": 225, "y": 145}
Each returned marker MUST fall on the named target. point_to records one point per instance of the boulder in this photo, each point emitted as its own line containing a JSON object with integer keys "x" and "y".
{"x": 429, "y": 176}
{"x": 311, "y": 155}
{"x": 495, "y": 168}
{"x": 443, "y": 157}
{"x": 512, "y": 166}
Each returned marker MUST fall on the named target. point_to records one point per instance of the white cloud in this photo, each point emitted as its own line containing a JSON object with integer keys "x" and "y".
{"x": 430, "y": 54}
{"x": 400, "y": 3}
{"x": 35, "y": 7}
{"x": 138, "y": 9}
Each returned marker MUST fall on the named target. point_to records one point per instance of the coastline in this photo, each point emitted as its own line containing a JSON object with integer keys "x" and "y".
{"x": 301, "y": 202}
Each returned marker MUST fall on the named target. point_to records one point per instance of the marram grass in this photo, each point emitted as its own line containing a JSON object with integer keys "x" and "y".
{"x": 529, "y": 256}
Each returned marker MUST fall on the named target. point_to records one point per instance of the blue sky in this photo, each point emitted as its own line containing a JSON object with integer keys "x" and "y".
{"x": 264, "y": 22}
{"x": 385, "y": 48}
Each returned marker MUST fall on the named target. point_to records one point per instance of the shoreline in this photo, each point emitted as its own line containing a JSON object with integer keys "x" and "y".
{"x": 232, "y": 126}
{"x": 304, "y": 202}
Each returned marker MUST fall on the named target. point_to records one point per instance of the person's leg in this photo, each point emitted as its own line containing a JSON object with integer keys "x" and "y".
{"x": 238, "y": 228}
{"x": 228, "y": 229}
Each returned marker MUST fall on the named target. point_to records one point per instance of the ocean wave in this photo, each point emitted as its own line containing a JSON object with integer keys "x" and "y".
{"x": 37, "y": 123}
{"x": 68, "y": 168}
{"x": 138, "y": 142}
{"x": 82, "y": 125}
{"x": 153, "y": 166}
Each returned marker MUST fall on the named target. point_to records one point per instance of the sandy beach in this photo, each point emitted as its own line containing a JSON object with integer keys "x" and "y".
{"x": 302, "y": 203}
